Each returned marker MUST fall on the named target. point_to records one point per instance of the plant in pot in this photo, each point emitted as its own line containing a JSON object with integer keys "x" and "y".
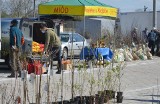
{"x": 99, "y": 98}
{"x": 108, "y": 85}
{"x": 92, "y": 85}
{"x": 77, "y": 89}
{"x": 79, "y": 85}
{"x": 119, "y": 73}
{"x": 83, "y": 78}
{"x": 111, "y": 82}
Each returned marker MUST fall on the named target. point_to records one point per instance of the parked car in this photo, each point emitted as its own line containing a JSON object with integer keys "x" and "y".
{"x": 78, "y": 43}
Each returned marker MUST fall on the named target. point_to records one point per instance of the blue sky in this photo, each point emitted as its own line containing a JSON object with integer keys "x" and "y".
{"x": 131, "y": 5}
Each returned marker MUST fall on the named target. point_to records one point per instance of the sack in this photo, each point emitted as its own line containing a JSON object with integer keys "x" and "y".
{"x": 135, "y": 57}
{"x": 149, "y": 55}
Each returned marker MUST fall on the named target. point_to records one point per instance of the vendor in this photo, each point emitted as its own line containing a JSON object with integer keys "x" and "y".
{"x": 52, "y": 45}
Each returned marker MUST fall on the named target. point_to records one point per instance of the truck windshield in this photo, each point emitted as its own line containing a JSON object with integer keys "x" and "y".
{"x": 64, "y": 37}
{"x": 5, "y": 28}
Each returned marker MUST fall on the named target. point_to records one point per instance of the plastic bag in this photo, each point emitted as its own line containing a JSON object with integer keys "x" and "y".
{"x": 135, "y": 57}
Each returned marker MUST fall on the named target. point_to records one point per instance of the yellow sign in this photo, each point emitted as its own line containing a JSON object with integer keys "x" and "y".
{"x": 77, "y": 10}
{"x": 100, "y": 11}
{"x": 66, "y": 10}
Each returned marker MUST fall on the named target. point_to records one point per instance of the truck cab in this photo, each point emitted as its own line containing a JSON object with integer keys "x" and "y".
{"x": 31, "y": 30}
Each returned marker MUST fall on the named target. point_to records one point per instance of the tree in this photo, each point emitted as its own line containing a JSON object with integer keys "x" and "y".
{"x": 4, "y": 14}
{"x": 20, "y": 8}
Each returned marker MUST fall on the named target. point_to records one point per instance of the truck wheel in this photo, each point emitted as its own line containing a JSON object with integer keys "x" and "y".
{"x": 65, "y": 53}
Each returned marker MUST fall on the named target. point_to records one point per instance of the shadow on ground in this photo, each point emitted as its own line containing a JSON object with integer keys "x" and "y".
{"x": 4, "y": 69}
{"x": 152, "y": 95}
{"x": 144, "y": 100}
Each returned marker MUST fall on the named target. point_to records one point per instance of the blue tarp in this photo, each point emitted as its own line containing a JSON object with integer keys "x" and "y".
{"x": 95, "y": 52}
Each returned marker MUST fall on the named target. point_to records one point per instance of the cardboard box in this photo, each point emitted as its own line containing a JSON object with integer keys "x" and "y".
{"x": 67, "y": 66}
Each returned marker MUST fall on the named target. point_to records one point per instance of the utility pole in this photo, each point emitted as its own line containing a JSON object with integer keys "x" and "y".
{"x": 154, "y": 14}
{"x": 34, "y": 6}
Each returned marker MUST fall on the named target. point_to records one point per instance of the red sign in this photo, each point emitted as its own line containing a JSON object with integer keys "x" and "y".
{"x": 61, "y": 9}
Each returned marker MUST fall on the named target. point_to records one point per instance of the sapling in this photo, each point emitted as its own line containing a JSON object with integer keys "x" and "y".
{"x": 119, "y": 68}
{"x": 92, "y": 83}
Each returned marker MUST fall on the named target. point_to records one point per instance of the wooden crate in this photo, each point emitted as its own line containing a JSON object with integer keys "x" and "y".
{"x": 67, "y": 66}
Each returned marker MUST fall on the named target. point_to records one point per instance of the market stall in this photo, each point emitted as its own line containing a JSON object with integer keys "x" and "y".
{"x": 78, "y": 8}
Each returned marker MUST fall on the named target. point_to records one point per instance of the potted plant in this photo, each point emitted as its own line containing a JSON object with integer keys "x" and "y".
{"x": 119, "y": 74}
{"x": 110, "y": 82}
{"x": 92, "y": 83}
{"x": 99, "y": 98}
{"x": 108, "y": 85}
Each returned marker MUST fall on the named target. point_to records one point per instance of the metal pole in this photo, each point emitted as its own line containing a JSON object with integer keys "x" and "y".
{"x": 72, "y": 61}
{"x": 154, "y": 14}
{"x": 34, "y": 15}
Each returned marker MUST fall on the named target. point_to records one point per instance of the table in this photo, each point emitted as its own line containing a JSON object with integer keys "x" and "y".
{"x": 92, "y": 53}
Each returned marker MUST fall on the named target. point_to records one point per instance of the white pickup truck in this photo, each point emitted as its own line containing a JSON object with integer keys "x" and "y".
{"x": 30, "y": 30}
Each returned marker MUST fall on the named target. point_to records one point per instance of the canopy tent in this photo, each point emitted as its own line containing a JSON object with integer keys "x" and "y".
{"x": 77, "y": 8}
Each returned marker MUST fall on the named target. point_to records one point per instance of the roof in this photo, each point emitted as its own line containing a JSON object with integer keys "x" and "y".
{"x": 76, "y": 3}
{"x": 77, "y": 8}
{"x": 138, "y": 12}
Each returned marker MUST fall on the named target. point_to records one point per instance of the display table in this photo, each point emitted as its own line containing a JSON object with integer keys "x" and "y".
{"x": 92, "y": 53}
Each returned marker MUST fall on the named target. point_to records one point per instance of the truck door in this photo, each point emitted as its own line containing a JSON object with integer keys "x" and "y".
{"x": 26, "y": 28}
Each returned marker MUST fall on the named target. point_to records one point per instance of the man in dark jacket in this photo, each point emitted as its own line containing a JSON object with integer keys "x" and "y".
{"x": 15, "y": 48}
{"x": 152, "y": 40}
{"x": 144, "y": 35}
{"x": 157, "y": 40}
{"x": 52, "y": 45}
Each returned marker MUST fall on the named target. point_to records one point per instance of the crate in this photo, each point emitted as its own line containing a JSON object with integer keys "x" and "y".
{"x": 67, "y": 66}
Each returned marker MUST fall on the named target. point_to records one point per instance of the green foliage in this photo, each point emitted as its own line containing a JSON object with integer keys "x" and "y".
{"x": 4, "y": 14}
{"x": 80, "y": 67}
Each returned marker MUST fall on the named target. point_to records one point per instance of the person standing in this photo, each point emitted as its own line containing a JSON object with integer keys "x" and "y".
{"x": 152, "y": 40}
{"x": 134, "y": 35}
{"x": 52, "y": 45}
{"x": 16, "y": 41}
{"x": 157, "y": 40}
{"x": 144, "y": 35}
